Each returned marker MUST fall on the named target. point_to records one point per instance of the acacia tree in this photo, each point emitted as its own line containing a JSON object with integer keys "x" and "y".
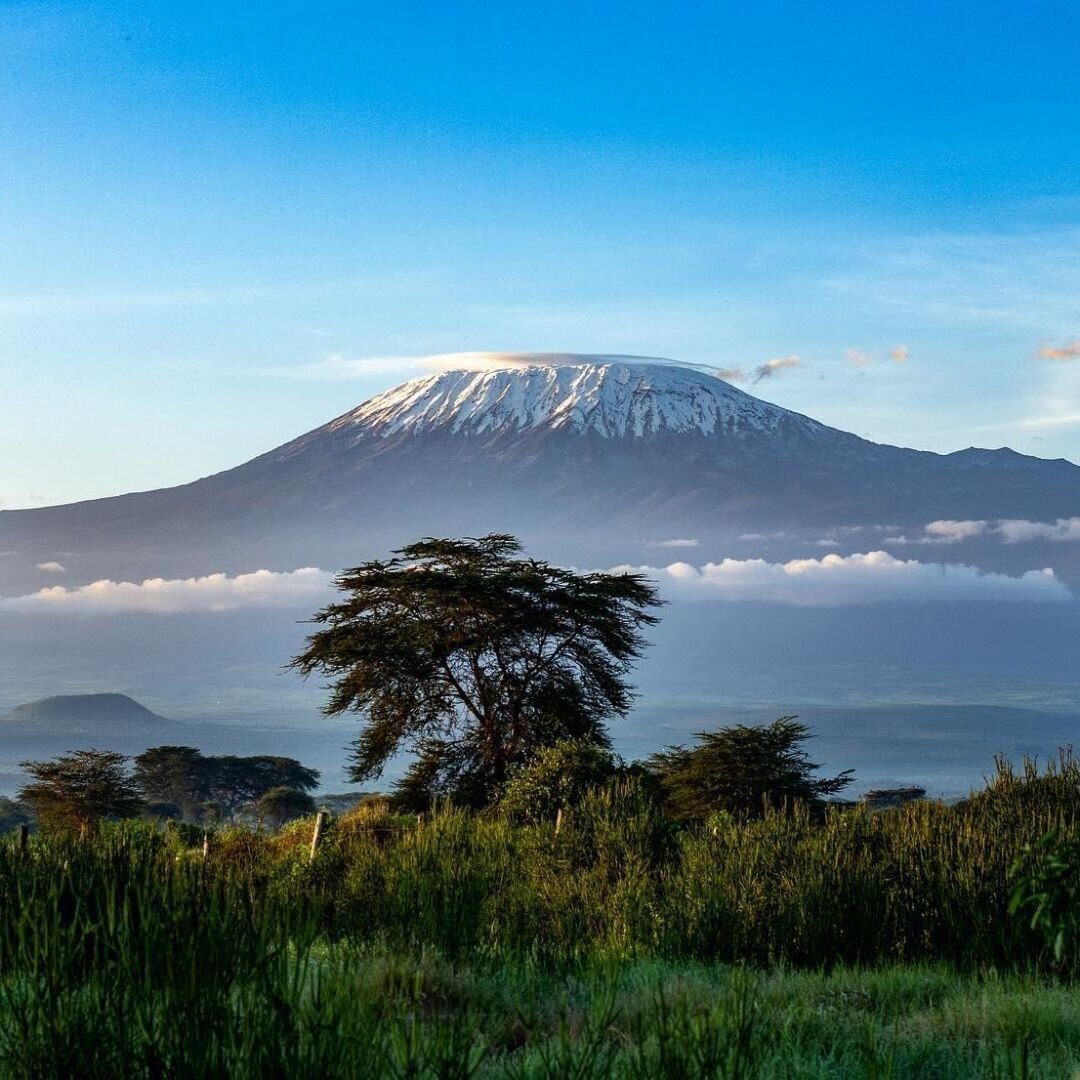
{"x": 282, "y": 804}
{"x": 183, "y": 777}
{"x": 742, "y": 769}
{"x": 173, "y": 775}
{"x": 472, "y": 657}
{"x": 234, "y": 782}
{"x": 79, "y": 789}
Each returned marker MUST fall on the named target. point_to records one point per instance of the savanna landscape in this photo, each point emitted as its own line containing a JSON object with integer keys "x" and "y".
{"x": 539, "y": 540}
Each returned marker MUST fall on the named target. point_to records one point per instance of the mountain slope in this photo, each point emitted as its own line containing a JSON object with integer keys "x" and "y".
{"x": 585, "y": 457}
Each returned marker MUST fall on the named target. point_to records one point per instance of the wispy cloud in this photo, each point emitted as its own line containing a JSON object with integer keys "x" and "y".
{"x": 762, "y": 371}
{"x": 50, "y": 303}
{"x": 134, "y": 297}
{"x": 847, "y": 580}
{"x": 899, "y": 354}
{"x": 952, "y": 532}
{"x": 340, "y": 366}
{"x": 1032, "y": 423}
{"x": 943, "y": 532}
{"x": 1007, "y": 530}
{"x": 676, "y": 543}
{"x": 859, "y": 358}
{"x": 1070, "y": 351}
{"x": 162, "y": 596}
{"x": 771, "y": 367}
{"x": 1016, "y": 283}
{"x": 780, "y": 534}
{"x": 1019, "y": 531}
{"x": 52, "y": 567}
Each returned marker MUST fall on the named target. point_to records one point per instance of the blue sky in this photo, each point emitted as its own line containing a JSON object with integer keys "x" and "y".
{"x": 205, "y": 204}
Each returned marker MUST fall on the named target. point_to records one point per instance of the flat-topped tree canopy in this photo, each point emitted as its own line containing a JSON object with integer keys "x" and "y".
{"x": 472, "y": 657}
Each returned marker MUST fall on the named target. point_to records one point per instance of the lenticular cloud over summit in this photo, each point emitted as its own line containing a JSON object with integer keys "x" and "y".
{"x": 339, "y": 366}
{"x": 502, "y": 361}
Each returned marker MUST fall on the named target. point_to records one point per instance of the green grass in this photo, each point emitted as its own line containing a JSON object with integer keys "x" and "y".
{"x": 855, "y": 946}
{"x": 343, "y": 1012}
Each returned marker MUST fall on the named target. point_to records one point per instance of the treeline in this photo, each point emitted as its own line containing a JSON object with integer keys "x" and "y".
{"x": 77, "y": 791}
{"x": 740, "y": 770}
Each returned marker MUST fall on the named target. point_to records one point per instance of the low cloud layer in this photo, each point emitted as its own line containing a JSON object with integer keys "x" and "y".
{"x": 844, "y": 580}
{"x": 212, "y": 593}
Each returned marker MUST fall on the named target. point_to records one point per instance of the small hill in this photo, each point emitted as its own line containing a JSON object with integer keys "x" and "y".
{"x": 83, "y": 714}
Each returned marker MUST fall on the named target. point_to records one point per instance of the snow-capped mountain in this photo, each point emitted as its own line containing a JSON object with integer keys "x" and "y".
{"x": 586, "y": 458}
{"x": 612, "y": 397}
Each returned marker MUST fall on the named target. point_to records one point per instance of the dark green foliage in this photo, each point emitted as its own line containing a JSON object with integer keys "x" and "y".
{"x": 238, "y": 781}
{"x": 80, "y": 789}
{"x": 473, "y": 658}
{"x": 12, "y": 815}
{"x": 173, "y": 774}
{"x": 215, "y": 787}
{"x": 1047, "y": 891}
{"x": 1046, "y": 873}
{"x": 162, "y": 811}
{"x": 282, "y": 804}
{"x": 557, "y": 778}
{"x": 743, "y": 770}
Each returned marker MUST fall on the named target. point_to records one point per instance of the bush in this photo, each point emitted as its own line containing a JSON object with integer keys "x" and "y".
{"x": 743, "y": 770}
{"x": 558, "y": 778}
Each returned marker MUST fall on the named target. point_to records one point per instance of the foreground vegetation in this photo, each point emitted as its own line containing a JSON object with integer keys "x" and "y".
{"x": 856, "y": 944}
{"x": 349, "y": 1013}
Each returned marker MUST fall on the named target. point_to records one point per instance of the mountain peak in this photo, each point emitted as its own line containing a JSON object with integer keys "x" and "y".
{"x": 612, "y": 396}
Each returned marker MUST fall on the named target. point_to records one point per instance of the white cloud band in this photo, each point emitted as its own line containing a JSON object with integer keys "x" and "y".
{"x": 842, "y": 580}
{"x": 214, "y": 592}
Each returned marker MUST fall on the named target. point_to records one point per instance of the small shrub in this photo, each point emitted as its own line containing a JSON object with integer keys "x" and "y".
{"x": 558, "y": 778}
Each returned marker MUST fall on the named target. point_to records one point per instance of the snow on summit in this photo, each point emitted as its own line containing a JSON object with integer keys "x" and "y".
{"x": 611, "y": 396}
